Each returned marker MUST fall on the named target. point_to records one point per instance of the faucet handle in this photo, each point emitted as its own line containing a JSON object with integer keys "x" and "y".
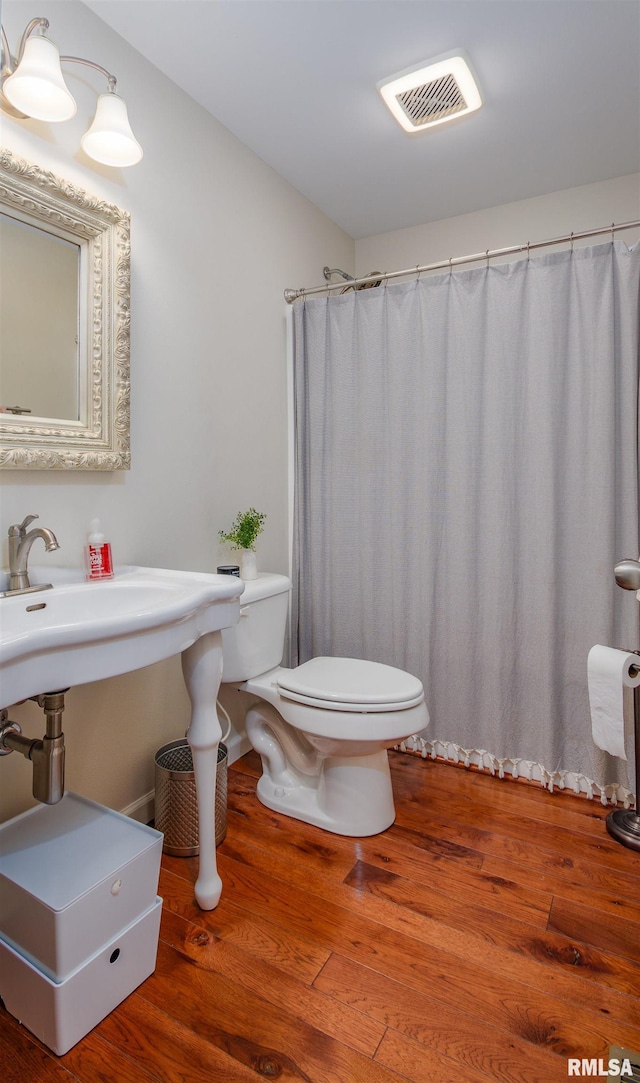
{"x": 19, "y": 530}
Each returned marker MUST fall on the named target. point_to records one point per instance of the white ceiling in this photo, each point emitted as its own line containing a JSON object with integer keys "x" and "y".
{"x": 296, "y": 81}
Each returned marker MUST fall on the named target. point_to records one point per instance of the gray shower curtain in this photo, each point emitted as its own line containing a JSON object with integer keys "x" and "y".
{"x": 466, "y": 479}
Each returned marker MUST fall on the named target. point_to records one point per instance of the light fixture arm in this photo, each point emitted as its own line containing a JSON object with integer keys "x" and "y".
{"x": 111, "y": 79}
{"x": 10, "y": 62}
{"x": 6, "y": 52}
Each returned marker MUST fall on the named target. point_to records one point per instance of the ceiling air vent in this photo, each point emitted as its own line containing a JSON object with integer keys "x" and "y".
{"x": 432, "y": 101}
{"x": 437, "y": 91}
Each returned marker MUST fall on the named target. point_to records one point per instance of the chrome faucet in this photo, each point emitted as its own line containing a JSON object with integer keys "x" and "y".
{"x": 20, "y": 542}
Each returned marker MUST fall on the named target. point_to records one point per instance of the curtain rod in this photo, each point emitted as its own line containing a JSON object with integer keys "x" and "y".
{"x": 292, "y": 295}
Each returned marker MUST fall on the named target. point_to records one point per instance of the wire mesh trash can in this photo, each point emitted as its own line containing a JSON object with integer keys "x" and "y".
{"x": 176, "y": 812}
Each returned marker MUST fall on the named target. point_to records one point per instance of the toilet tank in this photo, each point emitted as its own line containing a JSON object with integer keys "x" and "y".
{"x": 256, "y": 643}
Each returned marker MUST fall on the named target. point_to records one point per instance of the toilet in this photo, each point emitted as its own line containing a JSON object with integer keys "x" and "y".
{"x": 322, "y": 730}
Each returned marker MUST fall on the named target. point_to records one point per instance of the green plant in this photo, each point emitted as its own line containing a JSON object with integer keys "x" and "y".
{"x": 246, "y": 527}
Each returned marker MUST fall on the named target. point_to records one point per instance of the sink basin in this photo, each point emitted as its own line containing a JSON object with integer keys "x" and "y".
{"x": 82, "y": 631}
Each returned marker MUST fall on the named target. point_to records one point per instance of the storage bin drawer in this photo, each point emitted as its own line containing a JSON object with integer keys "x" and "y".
{"x": 72, "y": 876}
{"x": 61, "y": 1013}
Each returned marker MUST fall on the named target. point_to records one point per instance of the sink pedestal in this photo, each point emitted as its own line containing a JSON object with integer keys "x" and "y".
{"x": 202, "y": 669}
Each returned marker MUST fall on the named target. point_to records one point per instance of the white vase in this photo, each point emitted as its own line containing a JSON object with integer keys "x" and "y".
{"x": 248, "y": 564}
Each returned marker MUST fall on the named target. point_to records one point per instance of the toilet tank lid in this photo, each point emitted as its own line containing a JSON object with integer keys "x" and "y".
{"x": 267, "y": 585}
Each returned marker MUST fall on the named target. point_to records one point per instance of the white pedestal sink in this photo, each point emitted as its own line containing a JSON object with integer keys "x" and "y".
{"x": 79, "y": 632}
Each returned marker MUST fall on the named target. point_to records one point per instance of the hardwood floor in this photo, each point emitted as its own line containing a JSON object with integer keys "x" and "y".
{"x": 491, "y": 934}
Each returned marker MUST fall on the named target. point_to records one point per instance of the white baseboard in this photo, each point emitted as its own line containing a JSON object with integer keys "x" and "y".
{"x": 238, "y": 746}
{"x": 142, "y": 810}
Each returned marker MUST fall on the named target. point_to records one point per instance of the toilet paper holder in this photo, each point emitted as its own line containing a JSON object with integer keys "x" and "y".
{"x": 633, "y": 670}
{"x": 624, "y": 824}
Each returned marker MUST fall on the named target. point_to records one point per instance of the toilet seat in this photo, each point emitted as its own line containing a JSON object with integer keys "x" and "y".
{"x": 350, "y": 685}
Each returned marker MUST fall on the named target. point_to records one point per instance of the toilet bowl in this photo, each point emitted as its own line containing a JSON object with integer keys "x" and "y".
{"x": 322, "y": 730}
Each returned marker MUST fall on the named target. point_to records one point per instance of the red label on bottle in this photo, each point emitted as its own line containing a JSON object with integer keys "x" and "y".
{"x": 100, "y": 564}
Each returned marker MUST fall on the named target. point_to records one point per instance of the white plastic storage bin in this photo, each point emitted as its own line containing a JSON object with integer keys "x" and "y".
{"x": 72, "y": 876}
{"x": 61, "y": 1013}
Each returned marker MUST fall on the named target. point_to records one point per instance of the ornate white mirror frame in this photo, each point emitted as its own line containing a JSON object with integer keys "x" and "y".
{"x": 99, "y": 440}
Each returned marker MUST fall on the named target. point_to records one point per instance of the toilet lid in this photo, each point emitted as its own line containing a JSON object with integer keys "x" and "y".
{"x": 350, "y": 684}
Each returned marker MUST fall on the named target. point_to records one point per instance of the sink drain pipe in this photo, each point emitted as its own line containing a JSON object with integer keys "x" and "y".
{"x": 46, "y": 753}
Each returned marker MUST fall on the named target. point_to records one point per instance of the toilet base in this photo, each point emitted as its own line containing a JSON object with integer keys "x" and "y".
{"x": 350, "y": 796}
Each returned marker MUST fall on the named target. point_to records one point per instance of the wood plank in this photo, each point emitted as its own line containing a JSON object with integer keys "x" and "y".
{"x": 548, "y": 836}
{"x": 615, "y": 900}
{"x": 493, "y": 846}
{"x": 560, "y": 806}
{"x": 94, "y": 1060}
{"x": 251, "y": 1030}
{"x": 23, "y": 1059}
{"x": 302, "y": 1001}
{"x": 418, "y": 1064}
{"x": 587, "y": 923}
{"x": 260, "y": 937}
{"x": 614, "y": 893}
{"x": 504, "y": 894}
{"x": 463, "y": 1043}
{"x": 168, "y": 1050}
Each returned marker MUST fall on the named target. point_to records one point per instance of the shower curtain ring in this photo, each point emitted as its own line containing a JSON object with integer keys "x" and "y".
{"x": 450, "y": 265}
{"x": 613, "y": 226}
{"x": 527, "y": 251}
{"x": 487, "y": 258}
{"x": 571, "y": 239}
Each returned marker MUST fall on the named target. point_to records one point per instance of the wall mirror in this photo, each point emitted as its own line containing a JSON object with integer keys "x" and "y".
{"x": 64, "y": 324}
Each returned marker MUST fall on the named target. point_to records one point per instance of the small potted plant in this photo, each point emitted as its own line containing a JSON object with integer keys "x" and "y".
{"x": 246, "y": 527}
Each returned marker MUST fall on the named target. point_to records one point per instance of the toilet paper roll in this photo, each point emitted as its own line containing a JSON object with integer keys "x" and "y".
{"x": 609, "y": 672}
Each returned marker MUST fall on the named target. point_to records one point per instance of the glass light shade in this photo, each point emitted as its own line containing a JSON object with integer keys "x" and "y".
{"x": 109, "y": 139}
{"x": 37, "y": 87}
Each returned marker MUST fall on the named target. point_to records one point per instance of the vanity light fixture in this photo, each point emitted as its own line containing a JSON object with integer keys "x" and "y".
{"x": 432, "y": 93}
{"x": 33, "y": 86}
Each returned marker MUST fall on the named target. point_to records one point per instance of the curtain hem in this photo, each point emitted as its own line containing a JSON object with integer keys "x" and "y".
{"x": 612, "y": 794}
